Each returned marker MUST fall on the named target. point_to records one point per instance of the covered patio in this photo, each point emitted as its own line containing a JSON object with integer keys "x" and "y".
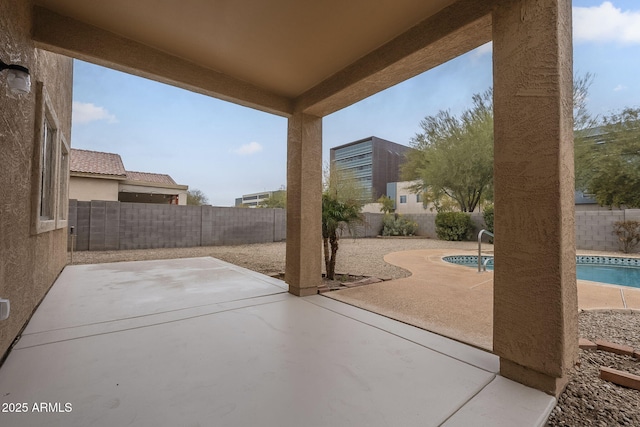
{"x": 202, "y": 342}
{"x": 302, "y": 60}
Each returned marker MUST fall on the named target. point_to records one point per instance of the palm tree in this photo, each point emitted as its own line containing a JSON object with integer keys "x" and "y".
{"x": 336, "y": 215}
{"x": 342, "y": 201}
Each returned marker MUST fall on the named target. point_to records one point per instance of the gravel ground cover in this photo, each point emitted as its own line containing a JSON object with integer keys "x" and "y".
{"x": 362, "y": 257}
{"x": 587, "y": 401}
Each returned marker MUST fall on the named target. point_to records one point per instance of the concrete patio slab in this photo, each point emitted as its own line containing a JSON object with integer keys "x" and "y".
{"x": 127, "y": 289}
{"x": 502, "y": 404}
{"x": 199, "y": 342}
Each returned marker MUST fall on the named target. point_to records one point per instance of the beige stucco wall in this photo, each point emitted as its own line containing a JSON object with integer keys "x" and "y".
{"x": 412, "y": 206}
{"x": 87, "y": 189}
{"x": 371, "y": 208}
{"x": 29, "y": 264}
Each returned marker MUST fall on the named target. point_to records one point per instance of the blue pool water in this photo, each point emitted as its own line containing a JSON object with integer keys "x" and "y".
{"x": 613, "y": 270}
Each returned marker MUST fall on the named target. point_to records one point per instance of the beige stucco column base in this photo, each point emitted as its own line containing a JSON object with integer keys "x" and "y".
{"x": 535, "y": 294}
{"x": 529, "y": 377}
{"x": 303, "y": 271}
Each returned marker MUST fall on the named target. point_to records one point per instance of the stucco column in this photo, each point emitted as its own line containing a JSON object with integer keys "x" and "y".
{"x": 535, "y": 301}
{"x": 304, "y": 204}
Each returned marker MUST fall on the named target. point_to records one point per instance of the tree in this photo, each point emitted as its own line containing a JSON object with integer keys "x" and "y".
{"x": 341, "y": 206}
{"x": 454, "y": 156}
{"x": 196, "y": 197}
{"x": 387, "y": 204}
{"x": 278, "y": 199}
{"x": 582, "y": 119}
{"x": 608, "y": 160}
{"x": 439, "y": 203}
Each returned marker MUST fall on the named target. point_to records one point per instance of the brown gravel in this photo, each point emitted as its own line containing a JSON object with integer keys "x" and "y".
{"x": 355, "y": 256}
{"x": 587, "y": 401}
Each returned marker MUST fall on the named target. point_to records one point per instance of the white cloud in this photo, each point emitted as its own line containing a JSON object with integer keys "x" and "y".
{"x": 248, "y": 149}
{"x": 619, "y": 88}
{"x": 606, "y": 23}
{"x": 84, "y": 112}
{"x": 483, "y": 50}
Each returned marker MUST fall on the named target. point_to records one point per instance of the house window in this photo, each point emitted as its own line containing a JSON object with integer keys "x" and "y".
{"x": 47, "y": 171}
{"x": 403, "y": 199}
{"x": 419, "y": 198}
{"x": 51, "y": 168}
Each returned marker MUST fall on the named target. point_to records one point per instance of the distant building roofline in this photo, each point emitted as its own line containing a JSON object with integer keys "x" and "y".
{"x": 364, "y": 140}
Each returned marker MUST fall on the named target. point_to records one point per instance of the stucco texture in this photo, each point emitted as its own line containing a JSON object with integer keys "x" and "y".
{"x": 29, "y": 263}
{"x": 535, "y": 305}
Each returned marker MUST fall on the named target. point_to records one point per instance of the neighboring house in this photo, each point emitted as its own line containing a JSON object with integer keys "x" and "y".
{"x": 254, "y": 199}
{"x": 101, "y": 176}
{"x": 373, "y": 161}
{"x": 405, "y": 200}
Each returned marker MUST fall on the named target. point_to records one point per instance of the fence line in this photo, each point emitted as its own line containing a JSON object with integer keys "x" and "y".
{"x": 110, "y": 225}
{"x": 107, "y": 225}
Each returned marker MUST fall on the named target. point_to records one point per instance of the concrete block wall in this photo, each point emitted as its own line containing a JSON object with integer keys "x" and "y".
{"x": 107, "y": 225}
{"x": 426, "y": 224}
{"x": 146, "y": 225}
{"x": 235, "y": 226}
{"x": 104, "y": 225}
{"x": 370, "y": 227}
{"x": 632, "y": 215}
{"x": 594, "y": 229}
{"x": 79, "y": 215}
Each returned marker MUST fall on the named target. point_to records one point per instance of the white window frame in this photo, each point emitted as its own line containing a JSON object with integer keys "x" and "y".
{"x": 62, "y": 205}
{"x": 59, "y": 179}
{"x": 403, "y": 197}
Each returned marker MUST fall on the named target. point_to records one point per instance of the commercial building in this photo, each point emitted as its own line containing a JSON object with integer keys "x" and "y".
{"x": 372, "y": 161}
{"x": 252, "y": 200}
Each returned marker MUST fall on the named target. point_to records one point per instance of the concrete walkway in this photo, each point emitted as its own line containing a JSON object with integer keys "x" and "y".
{"x": 457, "y": 301}
{"x": 199, "y": 342}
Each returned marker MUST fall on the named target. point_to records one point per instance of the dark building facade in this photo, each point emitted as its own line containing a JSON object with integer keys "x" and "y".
{"x": 373, "y": 161}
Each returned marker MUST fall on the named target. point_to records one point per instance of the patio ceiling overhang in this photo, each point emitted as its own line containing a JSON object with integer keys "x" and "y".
{"x": 279, "y": 56}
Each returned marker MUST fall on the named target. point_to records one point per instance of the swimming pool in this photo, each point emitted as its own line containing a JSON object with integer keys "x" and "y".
{"x": 604, "y": 269}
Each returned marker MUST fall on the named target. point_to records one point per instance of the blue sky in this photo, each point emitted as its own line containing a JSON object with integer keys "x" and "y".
{"x": 226, "y": 150}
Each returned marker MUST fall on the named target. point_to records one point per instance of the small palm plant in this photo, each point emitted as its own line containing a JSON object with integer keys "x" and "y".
{"x": 336, "y": 216}
{"x": 341, "y": 205}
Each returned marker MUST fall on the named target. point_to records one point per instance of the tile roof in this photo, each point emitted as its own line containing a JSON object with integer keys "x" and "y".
{"x": 158, "y": 178}
{"x": 96, "y": 162}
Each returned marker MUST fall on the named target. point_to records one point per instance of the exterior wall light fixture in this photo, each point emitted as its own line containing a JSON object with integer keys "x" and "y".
{"x": 18, "y": 78}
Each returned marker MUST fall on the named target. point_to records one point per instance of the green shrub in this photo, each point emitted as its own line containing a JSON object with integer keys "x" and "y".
{"x": 628, "y": 233}
{"x": 397, "y": 225}
{"x": 487, "y": 215}
{"x": 454, "y": 226}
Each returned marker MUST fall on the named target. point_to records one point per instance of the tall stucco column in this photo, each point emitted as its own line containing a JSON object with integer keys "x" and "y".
{"x": 304, "y": 204}
{"x": 535, "y": 296}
